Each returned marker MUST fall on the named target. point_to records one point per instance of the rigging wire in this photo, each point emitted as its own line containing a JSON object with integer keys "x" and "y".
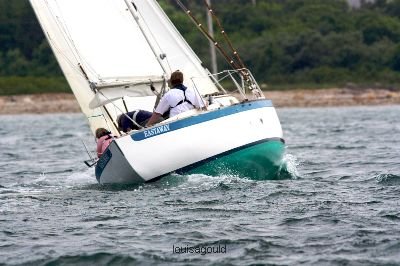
{"x": 122, "y": 112}
{"x": 72, "y": 65}
{"x": 248, "y": 80}
{"x": 135, "y": 15}
{"x": 229, "y": 59}
{"x": 228, "y": 41}
{"x": 74, "y": 51}
{"x": 69, "y": 40}
{"x": 152, "y": 36}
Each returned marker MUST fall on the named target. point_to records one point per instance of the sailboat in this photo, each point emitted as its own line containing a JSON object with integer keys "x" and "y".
{"x": 117, "y": 56}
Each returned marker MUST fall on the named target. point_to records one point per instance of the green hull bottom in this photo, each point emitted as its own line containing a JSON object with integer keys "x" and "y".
{"x": 262, "y": 161}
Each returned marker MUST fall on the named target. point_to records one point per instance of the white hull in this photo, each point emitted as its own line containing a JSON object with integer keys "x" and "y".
{"x": 165, "y": 148}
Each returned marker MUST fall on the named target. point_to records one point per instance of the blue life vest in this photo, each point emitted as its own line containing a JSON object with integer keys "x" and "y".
{"x": 139, "y": 116}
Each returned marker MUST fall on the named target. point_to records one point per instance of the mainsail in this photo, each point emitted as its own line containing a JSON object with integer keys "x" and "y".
{"x": 114, "y": 49}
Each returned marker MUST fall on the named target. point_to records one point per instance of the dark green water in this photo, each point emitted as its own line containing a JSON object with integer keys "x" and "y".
{"x": 339, "y": 206}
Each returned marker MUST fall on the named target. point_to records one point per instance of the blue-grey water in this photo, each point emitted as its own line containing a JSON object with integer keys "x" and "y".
{"x": 341, "y": 205}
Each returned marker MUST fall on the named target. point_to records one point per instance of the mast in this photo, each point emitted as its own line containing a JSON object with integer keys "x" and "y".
{"x": 93, "y": 87}
{"x": 159, "y": 56}
{"x": 213, "y": 55}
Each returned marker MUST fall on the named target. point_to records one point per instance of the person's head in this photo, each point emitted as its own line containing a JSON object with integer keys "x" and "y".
{"x": 100, "y": 132}
{"x": 120, "y": 121}
{"x": 124, "y": 124}
{"x": 176, "y": 78}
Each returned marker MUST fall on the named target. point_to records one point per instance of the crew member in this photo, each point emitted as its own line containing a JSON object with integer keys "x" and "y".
{"x": 177, "y": 100}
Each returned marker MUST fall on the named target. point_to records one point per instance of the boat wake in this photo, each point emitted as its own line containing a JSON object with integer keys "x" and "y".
{"x": 225, "y": 177}
{"x": 288, "y": 168}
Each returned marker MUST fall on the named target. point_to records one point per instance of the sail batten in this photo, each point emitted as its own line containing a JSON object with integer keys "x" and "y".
{"x": 126, "y": 81}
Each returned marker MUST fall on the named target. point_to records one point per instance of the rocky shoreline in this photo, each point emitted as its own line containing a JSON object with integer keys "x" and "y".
{"x": 66, "y": 103}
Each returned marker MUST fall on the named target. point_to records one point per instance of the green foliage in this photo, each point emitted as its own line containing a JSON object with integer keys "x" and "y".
{"x": 19, "y": 27}
{"x": 376, "y": 28}
{"x": 44, "y": 62}
{"x": 280, "y": 41}
{"x": 29, "y": 85}
{"x": 395, "y": 58}
{"x": 393, "y": 8}
{"x": 16, "y": 63}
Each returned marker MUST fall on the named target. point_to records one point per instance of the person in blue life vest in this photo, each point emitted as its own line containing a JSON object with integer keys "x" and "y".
{"x": 177, "y": 100}
{"x": 125, "y": 124}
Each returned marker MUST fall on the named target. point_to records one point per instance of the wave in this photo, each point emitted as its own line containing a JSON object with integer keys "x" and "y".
{"x": 204, "y": 182}
{"x": 388, "y": 179}
{"x": 100, "y": 258}
{"x": 347, "y": 147}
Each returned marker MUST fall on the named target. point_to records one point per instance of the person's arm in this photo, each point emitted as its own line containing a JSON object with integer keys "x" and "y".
{"x": 99, "y": 144}
{"x": 162, "y": 107}
{"x": 155, "y": 118}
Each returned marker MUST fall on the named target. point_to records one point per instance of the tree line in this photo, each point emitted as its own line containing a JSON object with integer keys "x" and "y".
{"x": 283, "y": 42}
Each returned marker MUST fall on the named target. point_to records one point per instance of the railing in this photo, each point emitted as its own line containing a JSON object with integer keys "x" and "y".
{"x": 238, "y": 80}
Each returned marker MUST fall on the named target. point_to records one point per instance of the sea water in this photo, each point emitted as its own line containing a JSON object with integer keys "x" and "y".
{"x": 339, "y": 206}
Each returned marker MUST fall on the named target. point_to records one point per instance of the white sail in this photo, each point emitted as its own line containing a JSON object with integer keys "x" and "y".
{"x": 119, "y": 50}
{"x": 102, "y": 35}
{"x": 178, "y": 53}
